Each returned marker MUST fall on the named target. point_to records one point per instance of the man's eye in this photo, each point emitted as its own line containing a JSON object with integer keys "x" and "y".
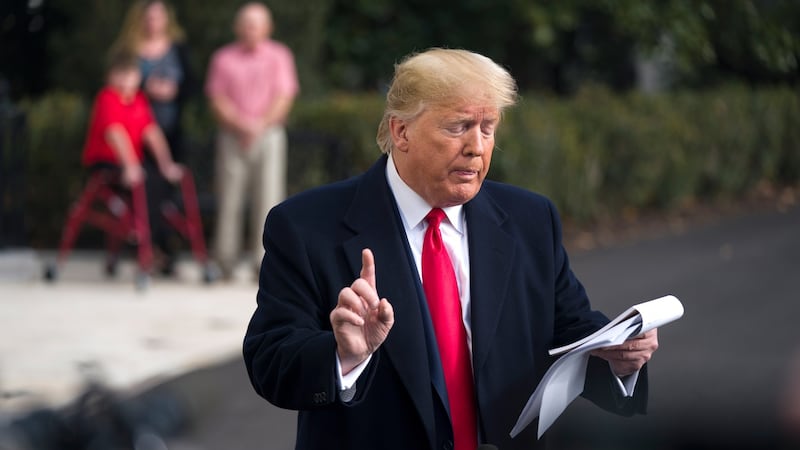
{"x": 456, "y": 129}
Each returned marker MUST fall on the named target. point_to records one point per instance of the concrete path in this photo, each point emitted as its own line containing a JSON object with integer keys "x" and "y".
{"x": 52, "y": 333}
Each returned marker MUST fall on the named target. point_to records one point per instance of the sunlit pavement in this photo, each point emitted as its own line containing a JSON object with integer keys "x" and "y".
{"x": 52, "y": 333}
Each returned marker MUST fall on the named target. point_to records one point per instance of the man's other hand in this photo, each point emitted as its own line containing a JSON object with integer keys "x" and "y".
{"x": 631, "y": 355}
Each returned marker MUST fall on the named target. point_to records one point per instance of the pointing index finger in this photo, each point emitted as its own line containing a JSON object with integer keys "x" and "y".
{"x": 368, "y": 267}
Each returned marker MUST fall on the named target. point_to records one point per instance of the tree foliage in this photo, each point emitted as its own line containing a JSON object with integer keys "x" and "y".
{"x": 707, "y": 41}
{"x": 352, "y": 44}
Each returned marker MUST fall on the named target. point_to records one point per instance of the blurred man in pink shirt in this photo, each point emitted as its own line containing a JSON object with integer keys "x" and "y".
{"x": 251, "y": 85}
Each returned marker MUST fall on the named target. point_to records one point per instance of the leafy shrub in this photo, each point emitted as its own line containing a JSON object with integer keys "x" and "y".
{"x": 56, "y": 127}
{"x": 596, "y": 154}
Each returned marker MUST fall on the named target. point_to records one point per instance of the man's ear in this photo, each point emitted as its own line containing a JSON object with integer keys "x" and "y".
{"x": 398, "y": 129}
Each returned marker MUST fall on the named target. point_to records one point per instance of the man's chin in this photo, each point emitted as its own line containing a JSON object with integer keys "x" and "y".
{"x": 462, "y": 196}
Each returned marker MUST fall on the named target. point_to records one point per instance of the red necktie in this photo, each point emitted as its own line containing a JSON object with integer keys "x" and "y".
{"x": 441, "y": 290}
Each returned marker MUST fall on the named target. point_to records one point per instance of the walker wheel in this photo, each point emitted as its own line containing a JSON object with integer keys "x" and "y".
{"x": 211, "y": 273}
{"x": 141, "y": 281}
{"x": 110, "y": 268}
{"x": 50, "y": 273}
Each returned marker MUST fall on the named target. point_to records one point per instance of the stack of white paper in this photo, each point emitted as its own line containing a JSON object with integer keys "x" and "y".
{"x": 564, "y": 381}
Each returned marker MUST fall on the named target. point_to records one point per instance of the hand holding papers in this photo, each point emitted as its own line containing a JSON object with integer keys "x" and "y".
{"x": 565, "y": 379}
{"x": 651, "y": 314}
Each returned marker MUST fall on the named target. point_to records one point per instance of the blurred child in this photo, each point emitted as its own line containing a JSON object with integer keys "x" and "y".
{"x": 122, "y": 125}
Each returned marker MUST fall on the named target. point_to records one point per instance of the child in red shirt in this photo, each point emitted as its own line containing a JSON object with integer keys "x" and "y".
{"x": 122, "y": 125}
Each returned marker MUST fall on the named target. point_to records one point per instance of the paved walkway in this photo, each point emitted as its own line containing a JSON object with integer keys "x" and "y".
{"x": 49, "y": 332}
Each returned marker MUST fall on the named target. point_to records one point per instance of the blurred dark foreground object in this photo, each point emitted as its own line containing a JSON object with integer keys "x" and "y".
{"x": 99, "y": 419}
{"x": 12, "y": 171}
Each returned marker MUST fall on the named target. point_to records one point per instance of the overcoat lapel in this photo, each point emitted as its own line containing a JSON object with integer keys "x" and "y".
{"x": 491, "y": 251}
{"x": 405, "y": 346}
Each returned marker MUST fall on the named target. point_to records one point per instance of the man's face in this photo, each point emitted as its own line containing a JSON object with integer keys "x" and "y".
{"x": 445, "y": 153}
{"x": 252, "y": 26}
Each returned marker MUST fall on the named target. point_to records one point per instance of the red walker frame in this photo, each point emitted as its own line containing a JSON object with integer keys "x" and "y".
{"x": 122, "y": 214}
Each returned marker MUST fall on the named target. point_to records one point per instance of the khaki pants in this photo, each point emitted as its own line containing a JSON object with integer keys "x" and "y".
{"x": 257, "y": 174}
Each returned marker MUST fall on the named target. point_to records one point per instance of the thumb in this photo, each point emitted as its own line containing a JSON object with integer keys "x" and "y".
{"x": 386, "y": 312}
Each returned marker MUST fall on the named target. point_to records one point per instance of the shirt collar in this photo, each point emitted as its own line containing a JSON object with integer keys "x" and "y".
{"x": 249, "y": 51}
{"x": 414, "y": 208}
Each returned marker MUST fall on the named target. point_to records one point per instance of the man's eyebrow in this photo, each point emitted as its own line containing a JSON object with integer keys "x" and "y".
{"x": 459, "y": 117}
{"x": 470, "y": 118}
{"x": 458, "y": 120}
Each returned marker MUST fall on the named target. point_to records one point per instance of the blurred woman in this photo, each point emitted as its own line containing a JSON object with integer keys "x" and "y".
{"x": 151, "y": 32}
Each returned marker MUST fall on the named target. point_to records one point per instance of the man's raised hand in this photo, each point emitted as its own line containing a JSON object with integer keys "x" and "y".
{"x": 361, "y": 320}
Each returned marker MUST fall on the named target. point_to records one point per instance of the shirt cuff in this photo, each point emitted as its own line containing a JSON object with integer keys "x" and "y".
{"x": 627, "y": 384}
{"x": 347, "y": 383}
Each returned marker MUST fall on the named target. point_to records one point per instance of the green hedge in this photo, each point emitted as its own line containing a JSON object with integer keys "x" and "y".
{"x": 56, "y": 126}
{"x": 596, "y": 154}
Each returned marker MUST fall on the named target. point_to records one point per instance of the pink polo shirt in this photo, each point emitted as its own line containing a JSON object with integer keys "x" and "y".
{"x": 252, "y": 79}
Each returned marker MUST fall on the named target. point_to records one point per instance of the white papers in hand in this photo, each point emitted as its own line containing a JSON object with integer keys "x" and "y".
{"x": 564, "y": 381}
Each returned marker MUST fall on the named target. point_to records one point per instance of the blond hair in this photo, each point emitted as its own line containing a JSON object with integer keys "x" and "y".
{"x": 442, "y": 77}
{"x": 132, "y": 32}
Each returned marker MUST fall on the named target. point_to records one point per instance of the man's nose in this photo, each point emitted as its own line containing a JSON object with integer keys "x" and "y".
{"x": 475, "y": 142}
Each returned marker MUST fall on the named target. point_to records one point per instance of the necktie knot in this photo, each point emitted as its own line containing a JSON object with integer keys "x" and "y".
{"x": 435, "y": 217}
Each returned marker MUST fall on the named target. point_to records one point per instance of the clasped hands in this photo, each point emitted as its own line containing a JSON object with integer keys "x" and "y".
{"x": 361, "y": 322}
{"x": 248, "y": 130}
